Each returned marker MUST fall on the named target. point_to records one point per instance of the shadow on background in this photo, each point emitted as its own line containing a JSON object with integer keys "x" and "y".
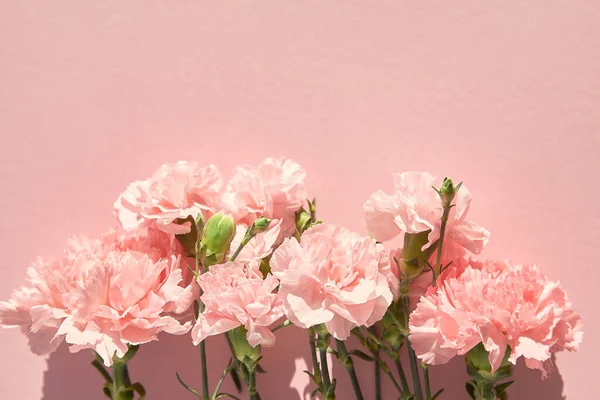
{"x": 70, "y": 377}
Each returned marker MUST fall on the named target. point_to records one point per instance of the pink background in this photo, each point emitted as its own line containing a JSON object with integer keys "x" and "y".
{"x": 503, "y": 95}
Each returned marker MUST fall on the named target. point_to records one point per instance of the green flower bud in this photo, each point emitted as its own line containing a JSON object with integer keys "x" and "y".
{"x": 218, "y": 233}
{"x": 261, "y": 225}
{"x": 302, "y": 221}
{"x": 448, "y": 191}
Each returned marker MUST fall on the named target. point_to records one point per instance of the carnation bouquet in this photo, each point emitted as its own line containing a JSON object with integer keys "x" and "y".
{"x": 195, "y": 257}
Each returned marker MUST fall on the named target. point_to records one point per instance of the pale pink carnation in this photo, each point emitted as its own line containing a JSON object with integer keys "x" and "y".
{"x": 102, "y": 295}
{"x": 416, "y": 207}
{"x": 274, "y": 189}
{"x": 237, "y": 295}
{"x": 497, "y": 304}
{"x": 173, "y": 193}
{"x": 332, "y": 276}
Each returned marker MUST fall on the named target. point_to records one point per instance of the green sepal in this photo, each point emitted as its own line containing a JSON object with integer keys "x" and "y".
{"x": 471, "y": 386}
{"x": 501, "y": 388}
{"x": 106, "y": 389}
{"x": 139, "y": 389}
{"x": 331, "y": 390}
{"x": 235, "y": 377}
{"x": 125, "y": 394}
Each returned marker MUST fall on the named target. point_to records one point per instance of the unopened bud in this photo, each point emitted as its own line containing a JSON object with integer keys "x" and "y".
{"x": 261, "y": 225}
{"x": 218, "y": 233}
{"x": 448, "y": 191}
{"x": 302, "y": 221}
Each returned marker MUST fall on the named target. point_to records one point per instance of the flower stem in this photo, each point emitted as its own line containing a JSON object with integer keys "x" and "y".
{"x": 403, "y": 380}
{"x": 315, "y": 361}
{"x": 324, "y": 369}
{"x": 438, "y": 259}
{"x": 252, "y": 383}
{"x": 376, "y": 365}
{"x": 204, "y": 367}
{"x": 349, "y": 365}
{"x": 120, "y": 379}
{"x": 412, "y": 358}
{"x": 377, "y": 368}
{"x": 237, "y": 252}
{"x": 426, "y": 378}
{"x": 205, "y": 391}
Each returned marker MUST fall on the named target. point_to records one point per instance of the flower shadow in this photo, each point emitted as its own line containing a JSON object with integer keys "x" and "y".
{"x": 71, "y": 377}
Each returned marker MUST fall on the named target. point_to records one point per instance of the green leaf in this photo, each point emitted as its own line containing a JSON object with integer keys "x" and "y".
{"x": 501, "y": 388}
{"x": 227, "y": 395}
{"x": 361, "y": 355}
{"x": 186, "y": 386}
{"x": 96, "y": 364}
{"x": 435, "y": 396}
{"x": 106, "y": 390}
{"x": 314, "y": 393}
{"x": 139, "y": 389}
{"x": 331, "y": 389}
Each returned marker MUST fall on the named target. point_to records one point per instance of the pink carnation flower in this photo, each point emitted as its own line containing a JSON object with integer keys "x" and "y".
{"x": 274, "y": 189}
{"x": 175, "y": 192}
{"x": 415, "y": 207}
{"x": 103, "y": 295}
{"x": 236, "y": 295}
{"x": 332, "y": 276}
{"x": 499, "y": 305}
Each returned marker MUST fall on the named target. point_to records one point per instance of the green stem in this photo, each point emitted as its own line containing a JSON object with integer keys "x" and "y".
{"x": 377, "y": 368}
{"x": 377, "y": 365}
{"x": 403, "y": 380}
{"x": 438, "y": 259}
{"x": 412, "y": 358}
{"x": 204, "y": 367}
{"x": 391, "y": 376}
{"x": 349, "y": 365}
{"x": 426, "y": 378}
{"x": 324, "y": 369}
{"x": 250, "y": 233}
{"x": 205, "y": 391}
{"x": 120, "y": 378}
{"x": 252, "y": 383}
{"x": 315, "y": 361}
{"x": 243, "y": 243}
{"x": 285, "y": 323}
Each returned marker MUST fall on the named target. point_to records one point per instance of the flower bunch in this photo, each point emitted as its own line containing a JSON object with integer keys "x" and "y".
{"x": 249, "y": 257}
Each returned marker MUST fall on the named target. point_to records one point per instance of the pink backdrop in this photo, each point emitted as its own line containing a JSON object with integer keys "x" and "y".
{"x": 503, "y": 95}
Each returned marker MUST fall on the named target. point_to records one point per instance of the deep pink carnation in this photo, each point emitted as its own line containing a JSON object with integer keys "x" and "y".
{"x": 416, "y": 207}
{"x": 497, "y": 304}
{"x": 332, "y": 276}
{"x": 235, "y": 294}
{"x": 274, "y": 189}
{"x": 175, "y": 192}
{"x": 102, "y": 294}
